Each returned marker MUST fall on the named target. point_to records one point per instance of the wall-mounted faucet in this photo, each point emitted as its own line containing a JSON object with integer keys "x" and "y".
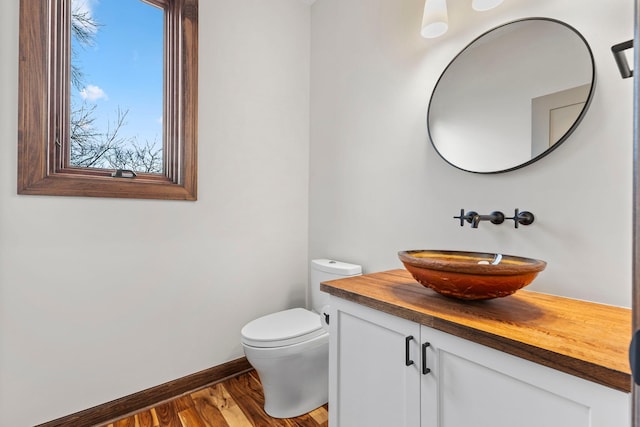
{"x": 474, "y": 218}
{"x": 495, "y": 217}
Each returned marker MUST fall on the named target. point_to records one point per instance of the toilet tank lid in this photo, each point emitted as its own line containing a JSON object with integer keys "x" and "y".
{"x": 336, "y": 267}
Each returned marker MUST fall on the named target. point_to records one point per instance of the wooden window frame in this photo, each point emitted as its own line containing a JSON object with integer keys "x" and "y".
{"x": 44, "y": 110}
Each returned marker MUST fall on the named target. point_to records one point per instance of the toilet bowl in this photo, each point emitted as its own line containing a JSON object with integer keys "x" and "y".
{"x": 290, "y": 349}
{"x": 293, "y": 368}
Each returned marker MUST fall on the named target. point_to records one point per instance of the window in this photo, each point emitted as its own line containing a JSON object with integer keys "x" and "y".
{"x": 116, "y": 88}
{"x": 45, "y": 166}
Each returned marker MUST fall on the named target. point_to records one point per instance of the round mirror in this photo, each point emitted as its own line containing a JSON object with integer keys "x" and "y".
{"x": 511, "y": 96}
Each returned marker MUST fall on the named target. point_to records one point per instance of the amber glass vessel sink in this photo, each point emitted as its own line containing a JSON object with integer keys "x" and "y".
{"x": 471, "y": 275}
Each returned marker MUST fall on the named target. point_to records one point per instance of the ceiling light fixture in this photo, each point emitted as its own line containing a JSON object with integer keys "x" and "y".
{"x": 435, "y": 21}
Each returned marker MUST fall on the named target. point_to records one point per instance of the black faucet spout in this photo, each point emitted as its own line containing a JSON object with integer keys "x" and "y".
{"x": 495, "y": 217}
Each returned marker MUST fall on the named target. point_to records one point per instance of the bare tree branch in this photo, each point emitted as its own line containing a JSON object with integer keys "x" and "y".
{"x": 83, "y": 30}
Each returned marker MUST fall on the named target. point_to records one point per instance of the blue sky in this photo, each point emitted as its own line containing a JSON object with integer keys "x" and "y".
{"x": 123, "y": 69}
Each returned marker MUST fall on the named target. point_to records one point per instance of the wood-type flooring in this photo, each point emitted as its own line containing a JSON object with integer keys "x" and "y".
{"x": 235, "y": 402}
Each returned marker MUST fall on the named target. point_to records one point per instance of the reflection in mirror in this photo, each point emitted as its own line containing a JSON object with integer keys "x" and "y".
{"x": 511, "y": 96}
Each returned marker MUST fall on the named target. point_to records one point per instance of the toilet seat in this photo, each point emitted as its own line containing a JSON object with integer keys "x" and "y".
{"x": 283, "y": 328}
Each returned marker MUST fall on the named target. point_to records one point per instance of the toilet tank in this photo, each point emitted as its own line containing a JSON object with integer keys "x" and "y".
{"x": 323, "y": 270}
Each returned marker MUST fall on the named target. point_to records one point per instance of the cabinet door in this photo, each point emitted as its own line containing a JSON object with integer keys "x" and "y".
{"x": 482, "y": 387}
{"x": 373, "y": 368}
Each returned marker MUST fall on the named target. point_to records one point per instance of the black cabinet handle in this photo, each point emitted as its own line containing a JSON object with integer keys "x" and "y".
{"x": 425, "y": 370}
{"x": 407, "y": 359}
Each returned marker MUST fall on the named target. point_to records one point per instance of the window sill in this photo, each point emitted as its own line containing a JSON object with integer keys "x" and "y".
{"x": 141, "y": 187}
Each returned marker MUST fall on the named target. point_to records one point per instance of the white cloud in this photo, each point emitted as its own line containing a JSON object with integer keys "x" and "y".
{"x": 93, "y": 93}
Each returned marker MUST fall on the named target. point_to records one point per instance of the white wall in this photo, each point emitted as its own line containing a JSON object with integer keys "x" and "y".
{"x": 377, "y": 186}
{"x": 100, "y": 298}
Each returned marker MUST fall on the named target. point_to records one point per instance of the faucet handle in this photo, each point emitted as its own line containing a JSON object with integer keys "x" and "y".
{"x": 465, "y": 217}
{"x": 524, "y": 218}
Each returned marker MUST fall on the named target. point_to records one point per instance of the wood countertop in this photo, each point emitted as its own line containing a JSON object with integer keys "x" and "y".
{"x": 581, "y": 338}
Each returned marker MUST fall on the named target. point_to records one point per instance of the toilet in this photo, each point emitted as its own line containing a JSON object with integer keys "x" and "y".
{"x": 290, "y": 349}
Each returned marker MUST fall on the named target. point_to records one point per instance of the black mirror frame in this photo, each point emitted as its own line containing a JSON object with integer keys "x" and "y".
{"x": 556, "y": 144}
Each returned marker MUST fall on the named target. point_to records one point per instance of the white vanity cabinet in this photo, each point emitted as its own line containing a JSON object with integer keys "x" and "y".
{"x": 371, "y": 383}
{"x": 479, "y": 386}
{"x": 377, "y": 380}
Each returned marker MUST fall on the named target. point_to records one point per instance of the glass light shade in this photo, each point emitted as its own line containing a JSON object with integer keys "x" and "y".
{"x": 482, "y": 5}
{"x": 435, "y": 21}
